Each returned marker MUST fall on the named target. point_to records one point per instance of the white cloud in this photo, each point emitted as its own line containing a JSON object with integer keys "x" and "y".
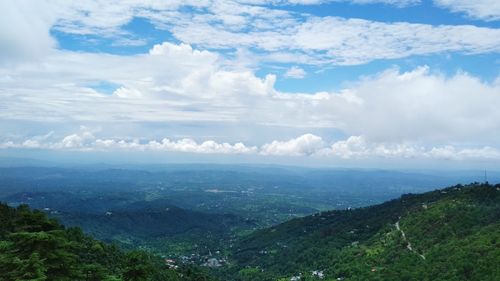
{"x": 392, "y": 106}
{"x": 488, "y": 10}
{"x": 398, "y": 3}
{"x": 243, "y": 24}
{"x": 24, "y": 30}
{"x": 356, "y": 41}
{"x": 307, "y": 145}
{"x": 304, "y": 145}
{"x": 353, "y": 147}
{"x": 449, "y": 152}
{"x": 421, "y": 106}
{"x": 129, "y": 42}
{"x": 209, "y": 146}
{"x": 389, "y": 114}
{"x": 85, "y": 140}
{"x": 295, "y": 72}
{"x": 180, "y": 50}
{"x": 126, "y": 93}
{"x": 356, "y": 147}
{"x": 107, "y": 17}
{"x": 339, "y": 41}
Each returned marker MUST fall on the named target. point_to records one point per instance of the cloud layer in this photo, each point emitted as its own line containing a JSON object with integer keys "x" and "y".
{"x": 488, "y": 10}
{"x": 417, "y": 105}
{"x": 283, "y": 35}
{"x": 308, "y": 145}
{"x": 224, "y": 63}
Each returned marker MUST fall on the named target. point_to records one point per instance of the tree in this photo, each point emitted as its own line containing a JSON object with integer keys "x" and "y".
{"x": 138, "y": 267}
{"x": 53, "y": 248}
{"x": 32, "y": 269}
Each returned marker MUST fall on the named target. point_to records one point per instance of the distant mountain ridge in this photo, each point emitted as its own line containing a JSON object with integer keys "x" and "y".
{"x": 243, "y": 219}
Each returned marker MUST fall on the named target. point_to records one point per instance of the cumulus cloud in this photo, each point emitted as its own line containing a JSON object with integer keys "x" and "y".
{"x": 180, "y": 50}
{"x": 209, "y": 146}
{"x": 77, "y": 141}
{"x": 391, "y": 106}
{"x": 85, "y": 140}
{"x": 414, "y": 113}
{"x": 307, "y": 145}
{"x": 357, "y": 147}
{"x": 304, "y": 145}
{"x": 173, "y": 82}
{"x": 420, "y": 105}
{"x": 353, "y": 147}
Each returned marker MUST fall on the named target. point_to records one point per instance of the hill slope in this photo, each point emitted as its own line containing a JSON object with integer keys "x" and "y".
{"x": 156, "y": 224}
{"x": 35, "y": 248}
{"x": 450, "y": 234}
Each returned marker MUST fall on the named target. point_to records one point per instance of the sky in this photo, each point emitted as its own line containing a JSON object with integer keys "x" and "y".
{"x": 361, "y": 83}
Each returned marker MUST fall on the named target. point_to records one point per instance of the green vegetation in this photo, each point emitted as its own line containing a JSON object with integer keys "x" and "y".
{"x": 196, "y": 210}
{"x": 35, "y": 248}
{"x": 450, "y": 234}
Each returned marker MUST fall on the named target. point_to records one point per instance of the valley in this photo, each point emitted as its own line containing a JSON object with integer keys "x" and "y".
{"x": 247, "y": 223}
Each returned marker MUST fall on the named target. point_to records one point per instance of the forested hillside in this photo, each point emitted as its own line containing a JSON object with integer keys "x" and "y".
{"x": 450, "y": 234}
{"x": 35, "y": 248}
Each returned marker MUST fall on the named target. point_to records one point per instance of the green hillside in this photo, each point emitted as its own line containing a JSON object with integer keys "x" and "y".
{"x": 450, "y": 234}
{"x": 35, "y": 248}
{"x": 163, "y": 227}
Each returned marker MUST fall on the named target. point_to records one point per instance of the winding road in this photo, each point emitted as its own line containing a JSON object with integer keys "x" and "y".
{"x": 408, "y": 245}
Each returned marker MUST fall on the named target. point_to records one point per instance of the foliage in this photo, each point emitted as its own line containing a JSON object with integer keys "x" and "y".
{"x": 35, "y": 248}
{"x": 450, "y": 234}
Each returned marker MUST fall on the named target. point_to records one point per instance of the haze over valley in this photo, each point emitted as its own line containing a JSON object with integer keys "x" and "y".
{"x": 249, "y": 140}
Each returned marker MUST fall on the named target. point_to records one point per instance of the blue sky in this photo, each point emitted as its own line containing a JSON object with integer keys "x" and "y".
{"x": 321, "y": 78}
{"x": 340, "y": 82}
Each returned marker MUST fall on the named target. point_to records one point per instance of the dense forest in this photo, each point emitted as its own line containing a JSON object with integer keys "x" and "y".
{"x": 36, "y": 248}
{"x": 448, "y": 234}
